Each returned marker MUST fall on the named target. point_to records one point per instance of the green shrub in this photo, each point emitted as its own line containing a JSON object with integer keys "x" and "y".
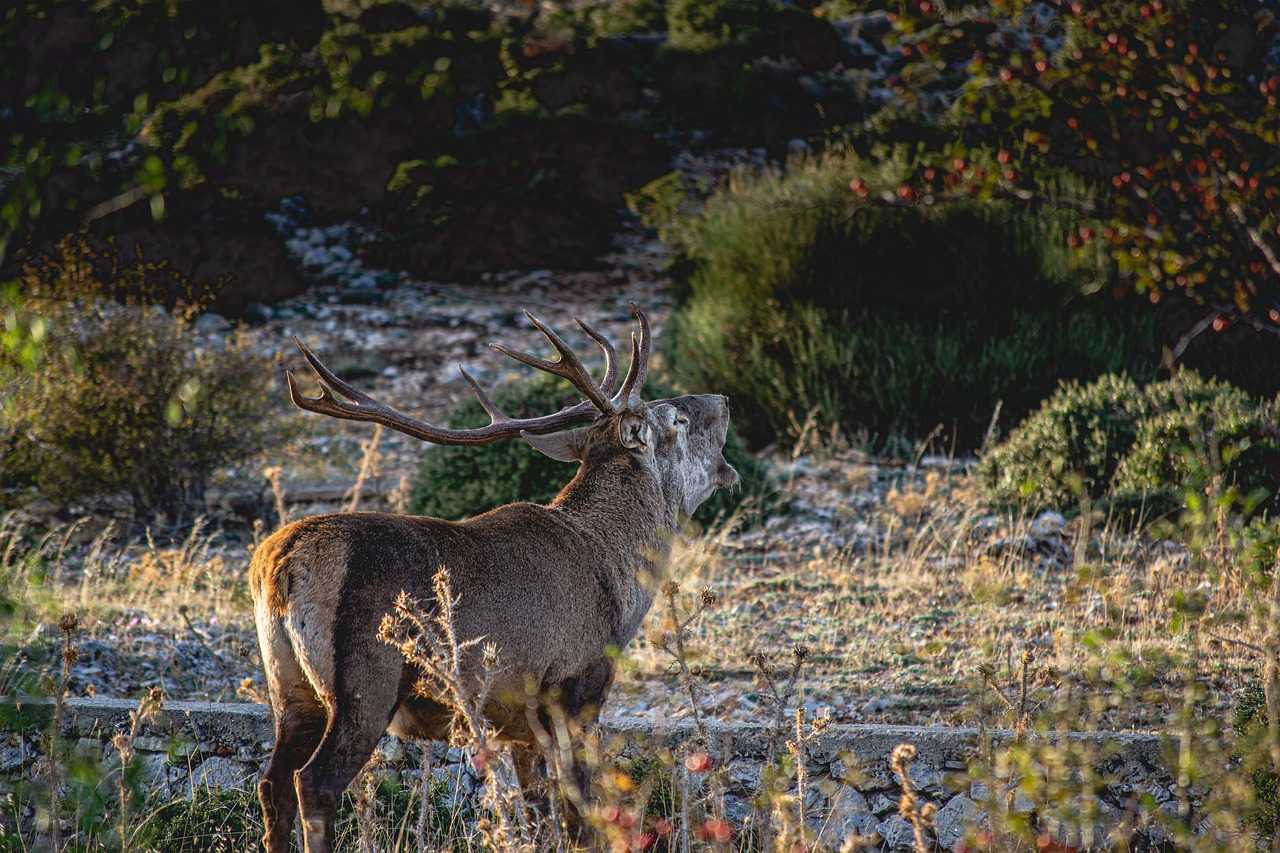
{"x": 622, "y": 17}
{"x": 457, "y": 482}
{"x": 708, "y": 24}
{"x": 1069, "y": 448}
{"x": 1253, "y": 752}
{"x": 884, "y": 320}
{"x": 1142, "y": 448}
{"x": 1219, "y": 430}
{"x": 1258, "y": 549}
{"x": 124, "y": 401}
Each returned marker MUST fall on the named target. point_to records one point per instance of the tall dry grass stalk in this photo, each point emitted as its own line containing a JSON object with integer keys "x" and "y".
{"x": 68, "y": 625}
{"x": 909, "y": 808}
{"x": 274, "y": 475}
{"x": 428, "y": 639}
{"x": 148, "y": 708}
{"x": 370, "y": 458}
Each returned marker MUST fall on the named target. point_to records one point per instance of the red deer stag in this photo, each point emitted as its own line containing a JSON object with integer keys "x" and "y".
{"x": 556, "y": 588}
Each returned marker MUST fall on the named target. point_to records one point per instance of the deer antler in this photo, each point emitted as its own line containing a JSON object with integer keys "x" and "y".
{"x": 359, "y": 406}
{"x": 639, "y": 367}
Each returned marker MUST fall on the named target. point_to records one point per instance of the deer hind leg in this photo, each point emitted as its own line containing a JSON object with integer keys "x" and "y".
{"x": 580, "y": 698}
{"x": 363, "y": 707}
{"x": 299, "y": 724}
{"x": 299, "y": 729}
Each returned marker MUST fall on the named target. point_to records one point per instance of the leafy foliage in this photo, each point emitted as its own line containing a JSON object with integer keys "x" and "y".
{"x": 1166, "y": 110}
{"x": 124, "y": 399}
{"x": 1070, "y": 447}
{"x": 1252, "y": 751}
{"x": 701, "y": 25}
{"x": 1112, "y": 441}
{"x": 884, "y": 320}
{"x": 457, "y": 482}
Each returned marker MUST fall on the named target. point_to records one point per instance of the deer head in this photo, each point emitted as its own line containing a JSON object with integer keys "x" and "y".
{"x": 679, "y": 442}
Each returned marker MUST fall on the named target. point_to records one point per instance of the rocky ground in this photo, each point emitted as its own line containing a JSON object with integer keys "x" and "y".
{"x": 893, "y": 576}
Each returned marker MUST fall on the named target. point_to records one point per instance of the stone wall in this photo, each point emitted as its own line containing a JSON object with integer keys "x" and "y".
{"x": 851, "y": 785}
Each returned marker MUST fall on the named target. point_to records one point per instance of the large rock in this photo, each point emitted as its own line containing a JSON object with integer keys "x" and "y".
{"x": 953, "y": 821}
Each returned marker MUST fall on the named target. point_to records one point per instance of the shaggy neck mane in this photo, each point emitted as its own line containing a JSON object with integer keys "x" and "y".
{"x": 620, "y": 504}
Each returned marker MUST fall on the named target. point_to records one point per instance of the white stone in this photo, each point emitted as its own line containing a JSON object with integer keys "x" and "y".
{"x": 848, "y": 814}
{"x": 954, "y": 820}
{"x": 219, "y": 772}
{"x": 897, "y": 833}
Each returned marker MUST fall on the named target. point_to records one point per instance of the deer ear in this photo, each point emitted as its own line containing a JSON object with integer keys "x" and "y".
{"x": 561, "y": 446}
{"x": 634, "y": 431}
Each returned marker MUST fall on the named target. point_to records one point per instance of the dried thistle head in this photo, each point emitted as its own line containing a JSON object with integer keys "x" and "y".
{"x": 670, "y": 589}
{"x": 151, "y": 704}
{"x": 800, "y": 652}
{"x": 901, "y": 758}
{"x": 68, "y": 623}
{"x": 708, "y": 597}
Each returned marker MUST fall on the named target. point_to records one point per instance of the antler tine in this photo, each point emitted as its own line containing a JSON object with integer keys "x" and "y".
{"x": 365, "y": 408}
{"x": 610, "y": 357}
{"x": 567, "y": 367}
{"x": 331, "y": 379}
{"x": 639, "y": 366}
{"x": 495, "y": 414}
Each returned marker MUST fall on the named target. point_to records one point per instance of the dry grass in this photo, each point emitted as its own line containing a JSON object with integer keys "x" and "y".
{"x": 931, "y": 590}
{"x": 904, "y": 597}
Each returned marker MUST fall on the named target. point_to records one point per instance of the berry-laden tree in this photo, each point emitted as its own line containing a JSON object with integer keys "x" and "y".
{"x": 1156, "y": 121}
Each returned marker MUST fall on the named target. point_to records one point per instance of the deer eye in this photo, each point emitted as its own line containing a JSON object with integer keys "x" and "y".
{"x": 681, "y": 420}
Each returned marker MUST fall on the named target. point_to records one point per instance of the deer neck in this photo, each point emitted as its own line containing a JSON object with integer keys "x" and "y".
{"x": 620, "y": 506}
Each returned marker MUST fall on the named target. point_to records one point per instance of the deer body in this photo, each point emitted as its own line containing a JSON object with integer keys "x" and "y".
{"x": 558, "y": 589}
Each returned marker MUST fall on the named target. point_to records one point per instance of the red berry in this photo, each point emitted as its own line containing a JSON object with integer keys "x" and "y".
{"x": 644, "y": 840}
{"x": 715, "y": 829}
{"x": 1003, "y": 156}
{"x": 1220, "y": 323}
{"x": 698, "y": 762}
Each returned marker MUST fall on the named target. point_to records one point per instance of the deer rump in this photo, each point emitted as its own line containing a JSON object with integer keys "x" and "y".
{"x": 327, "y": 582}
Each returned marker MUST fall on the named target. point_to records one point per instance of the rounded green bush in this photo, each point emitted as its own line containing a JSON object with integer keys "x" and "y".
{"x": 1069, "y": 448}
{"x": 457, "y": 482}
{"x": 1140, "y": 448}
{"x": 1183, "y": 433}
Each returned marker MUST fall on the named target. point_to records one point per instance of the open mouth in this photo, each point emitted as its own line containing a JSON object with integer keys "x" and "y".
{"x": 727, "y": 476}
